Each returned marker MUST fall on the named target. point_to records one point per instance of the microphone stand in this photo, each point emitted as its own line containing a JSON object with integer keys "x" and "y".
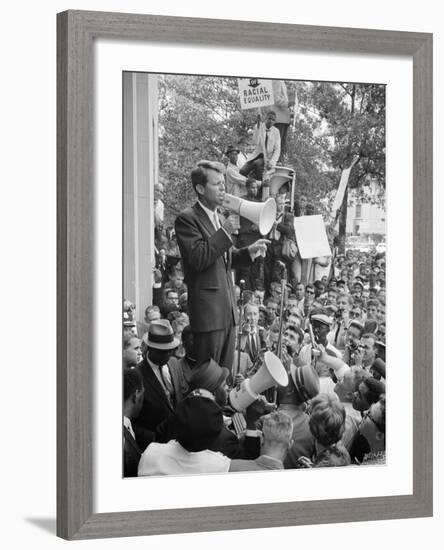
{"x": 281, "y": 323}
{"x": 236, "y": 365}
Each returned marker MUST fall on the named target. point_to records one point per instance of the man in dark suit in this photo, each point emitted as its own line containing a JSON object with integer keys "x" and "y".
{"x": 132, "y": 402}
{"x": 162, "y": 379}
{"x": 253, "y": 338}
{"x": 207, "y": 253}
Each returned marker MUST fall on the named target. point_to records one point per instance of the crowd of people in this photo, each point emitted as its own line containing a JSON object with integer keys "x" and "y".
{"x": 224, "y": 296}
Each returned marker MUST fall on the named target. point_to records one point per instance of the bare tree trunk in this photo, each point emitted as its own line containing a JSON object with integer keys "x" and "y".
{"x": 343, "y": 223}
{"x": 344, "y": 207}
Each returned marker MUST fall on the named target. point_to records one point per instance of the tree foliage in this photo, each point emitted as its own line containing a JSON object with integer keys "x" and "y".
{"x": 200, "y": 115}
{"x": 355, "y": 118}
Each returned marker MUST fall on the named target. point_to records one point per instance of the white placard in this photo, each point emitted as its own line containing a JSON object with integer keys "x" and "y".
{"x": 311, "y": 237}
{"x": 255, "y": 92}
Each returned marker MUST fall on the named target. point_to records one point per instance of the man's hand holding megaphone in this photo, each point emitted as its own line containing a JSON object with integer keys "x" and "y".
{"x": 256, "y": 410}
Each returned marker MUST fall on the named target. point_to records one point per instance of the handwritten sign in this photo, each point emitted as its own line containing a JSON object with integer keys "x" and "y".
{"x": 255, "y": 92}
{"x": 311, "y": 237}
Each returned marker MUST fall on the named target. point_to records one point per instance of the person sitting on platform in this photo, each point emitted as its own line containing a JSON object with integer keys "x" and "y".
{"x": 262, "y": 162}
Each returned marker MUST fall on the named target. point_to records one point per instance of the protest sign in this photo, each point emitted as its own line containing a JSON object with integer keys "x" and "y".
{"x": 255, "y": 92}
{"x": 311, "y": 237}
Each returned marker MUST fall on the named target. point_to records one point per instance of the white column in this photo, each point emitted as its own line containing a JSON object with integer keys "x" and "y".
{"x": 140, "y": 172}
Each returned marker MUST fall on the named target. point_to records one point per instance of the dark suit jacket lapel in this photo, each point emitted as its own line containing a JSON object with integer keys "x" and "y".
{"x": 178, "y": 383}
{"x": 155, "y": 385}
{"x": 130, "y": 440}
{"x": 204, "y": 219}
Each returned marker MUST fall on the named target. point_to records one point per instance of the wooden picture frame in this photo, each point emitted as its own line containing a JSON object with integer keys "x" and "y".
{"x": 77, "y": 31}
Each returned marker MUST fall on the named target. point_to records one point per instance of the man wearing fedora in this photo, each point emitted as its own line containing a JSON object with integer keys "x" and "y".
{"x": 163, "y": 380}
{"x": 208, "y": 255}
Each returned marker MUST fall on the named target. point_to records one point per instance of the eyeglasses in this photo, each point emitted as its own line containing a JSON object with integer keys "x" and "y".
{"x": 355, "y": 314}
{"x": 309, "y": 292}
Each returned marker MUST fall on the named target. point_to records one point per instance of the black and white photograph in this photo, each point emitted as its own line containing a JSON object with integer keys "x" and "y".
{"x": 254, "y": 261}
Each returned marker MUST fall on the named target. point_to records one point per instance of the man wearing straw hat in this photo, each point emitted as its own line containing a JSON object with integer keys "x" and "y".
{"x": 163, "y": 381}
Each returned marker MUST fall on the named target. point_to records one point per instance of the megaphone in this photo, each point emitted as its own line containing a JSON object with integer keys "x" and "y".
{"x": 263, "y": 214}
{"x": 281, "y": 175}
{"x": 271, "y": 373}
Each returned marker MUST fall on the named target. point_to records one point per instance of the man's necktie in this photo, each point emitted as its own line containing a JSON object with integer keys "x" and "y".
{"x": 167, "y": 382}
{"x": 218, "y": 226}
{"x": 337, "y": 333}
{"x": 253, "y": 346}
{"x": 266, "y": 139}
{"x": 216, "y": 220}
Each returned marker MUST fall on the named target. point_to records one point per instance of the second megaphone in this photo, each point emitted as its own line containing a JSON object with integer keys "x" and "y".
{"x": 271, "y": 373}
{"x": 263, "y": 214}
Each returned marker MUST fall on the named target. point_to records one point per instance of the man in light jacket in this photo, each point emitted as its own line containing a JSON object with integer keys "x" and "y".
{"x": 262, "y": 162}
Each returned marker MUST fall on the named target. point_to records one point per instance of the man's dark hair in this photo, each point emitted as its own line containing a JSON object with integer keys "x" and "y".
{"x": 132, "y": 381}
{"x": 296, "y": 330}
{"x": 149, "y": 309}
{"x": 358, "y": 326}
{"x": 271, "y": 112}
{"x": 250, "y": 182}
{"x": 199, "y": 174}
{"x": 372, "y": 336}
{"x": 375, "y": 389}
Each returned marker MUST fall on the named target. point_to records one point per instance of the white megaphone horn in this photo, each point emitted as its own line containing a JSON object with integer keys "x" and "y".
{"x": 263, "y": 214}
{"x": 271, "y": 373}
